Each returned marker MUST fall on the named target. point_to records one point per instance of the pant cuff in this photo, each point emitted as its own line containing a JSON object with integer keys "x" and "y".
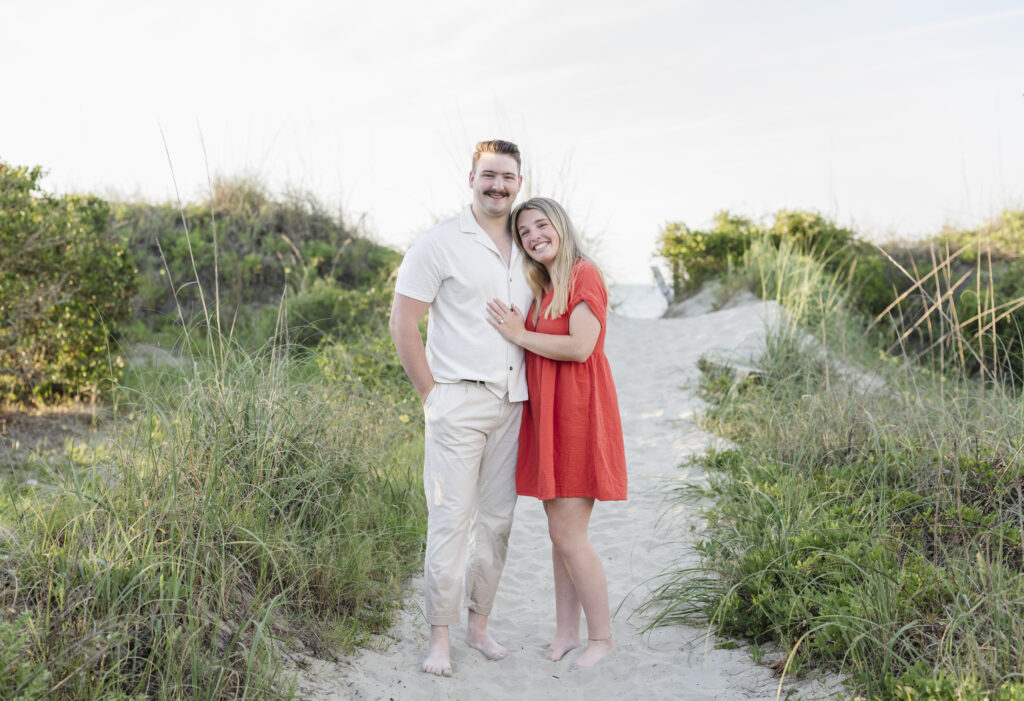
{"x": 439, "y": 620}
{"x": 482, "y": 610}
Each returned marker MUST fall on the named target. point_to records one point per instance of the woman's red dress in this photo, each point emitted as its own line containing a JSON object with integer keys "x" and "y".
{"x": 570, "y": 440}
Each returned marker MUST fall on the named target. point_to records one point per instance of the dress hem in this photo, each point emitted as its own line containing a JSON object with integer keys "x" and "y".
{"x": 569, "y": 496}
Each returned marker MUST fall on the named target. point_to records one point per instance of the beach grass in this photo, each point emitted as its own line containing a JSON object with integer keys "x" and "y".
{"x": 250, "y": 491}
{"x": 869, "y": 518}
{"x": 243, "y": 506}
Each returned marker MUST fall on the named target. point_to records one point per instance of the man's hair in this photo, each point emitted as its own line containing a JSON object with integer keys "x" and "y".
{"x": 497, "y": 146}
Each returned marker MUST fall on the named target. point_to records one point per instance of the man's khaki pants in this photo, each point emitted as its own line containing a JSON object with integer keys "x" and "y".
{"x": 469, "y": 476}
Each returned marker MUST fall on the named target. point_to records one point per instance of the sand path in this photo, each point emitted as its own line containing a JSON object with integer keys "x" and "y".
{"x": 654, "y": 364}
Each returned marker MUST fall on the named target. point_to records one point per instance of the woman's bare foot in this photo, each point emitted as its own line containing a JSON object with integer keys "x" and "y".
{"x": 560, "y": 646}
{"x": 439, "y": 657}
{"x": 596, "y": 651}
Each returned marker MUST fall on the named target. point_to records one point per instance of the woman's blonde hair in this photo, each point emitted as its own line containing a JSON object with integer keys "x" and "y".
{"x": 570, "y": 250}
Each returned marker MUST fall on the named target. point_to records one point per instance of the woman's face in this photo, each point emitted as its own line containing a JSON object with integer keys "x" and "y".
{"x": 539, "y": 237}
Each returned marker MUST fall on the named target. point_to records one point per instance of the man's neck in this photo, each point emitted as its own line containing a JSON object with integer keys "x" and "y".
{"x": 497, "y": 229}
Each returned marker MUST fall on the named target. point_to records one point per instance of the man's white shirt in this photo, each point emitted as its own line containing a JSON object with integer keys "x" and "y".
{"x": 457, "y": 269}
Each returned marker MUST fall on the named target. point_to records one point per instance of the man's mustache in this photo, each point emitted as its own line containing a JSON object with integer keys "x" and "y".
{"x": 501, "y": 193}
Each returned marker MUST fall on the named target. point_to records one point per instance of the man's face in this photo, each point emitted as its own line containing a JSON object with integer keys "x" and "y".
{"x": 495, "y": 182}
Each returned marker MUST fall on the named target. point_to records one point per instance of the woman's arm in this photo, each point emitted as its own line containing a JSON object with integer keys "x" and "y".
{"x": 584, "y": 328}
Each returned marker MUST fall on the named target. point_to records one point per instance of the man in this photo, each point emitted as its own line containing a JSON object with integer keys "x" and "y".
{"x": 472, "y": 384}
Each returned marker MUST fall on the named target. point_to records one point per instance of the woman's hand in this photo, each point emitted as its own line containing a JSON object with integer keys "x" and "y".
{"x": 507, "y": 320}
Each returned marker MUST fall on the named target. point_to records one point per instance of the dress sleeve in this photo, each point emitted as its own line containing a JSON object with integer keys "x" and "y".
{"x": 587, "y": 286}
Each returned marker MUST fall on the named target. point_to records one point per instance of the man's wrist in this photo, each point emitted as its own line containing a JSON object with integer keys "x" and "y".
{"x": 426, "y": 390}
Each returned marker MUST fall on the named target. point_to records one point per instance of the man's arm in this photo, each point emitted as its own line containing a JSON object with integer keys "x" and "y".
{"x": 404, "y": 325}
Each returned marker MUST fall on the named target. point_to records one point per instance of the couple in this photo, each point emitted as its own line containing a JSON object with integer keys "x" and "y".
{"x": 474, "y": 273}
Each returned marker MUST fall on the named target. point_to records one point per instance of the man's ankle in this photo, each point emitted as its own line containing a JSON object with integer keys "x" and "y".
{"x": 476, "y": 622}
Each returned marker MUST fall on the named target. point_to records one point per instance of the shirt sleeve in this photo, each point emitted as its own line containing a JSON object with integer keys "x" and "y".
{"x": 420, "y": 274}
{"x": 587, "y": 286}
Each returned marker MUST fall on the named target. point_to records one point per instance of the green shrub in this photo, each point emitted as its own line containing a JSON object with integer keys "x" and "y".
{"x": 696, "y": 256}
{"x": 813, "y": 234}
{"x": 1002, "y": 237}
{"x": 955, "y": 301}
{"x": 991, "y": 318}
{"x": 65, "y": 284}
{"x": 263, "y": 244}
{"x": 371, "y": 363}
{"x": 320, "y": 313}
{"x": 922, "y": 683}
{"x": 325, "y": 311}
{"x": 873, "y": 280}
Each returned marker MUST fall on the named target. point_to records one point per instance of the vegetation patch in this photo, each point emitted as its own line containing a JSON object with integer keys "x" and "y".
{"x": 953, "y": 301}
{"x": 255, "y": 485}
{"x": 695, "y": 256}
{"x": 876, "y": 528}
{"x": 242, "y": 247}
{"x": 248, "y": 506}
{"x": 66, "y": 279}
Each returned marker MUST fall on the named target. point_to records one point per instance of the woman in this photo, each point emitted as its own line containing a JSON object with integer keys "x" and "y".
{"x": 570, "y": 440}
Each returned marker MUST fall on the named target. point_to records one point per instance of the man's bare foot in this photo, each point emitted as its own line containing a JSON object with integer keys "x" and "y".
{"x": 478, "y": 638}
{"x": 439, "y": 656}
{"x": 486, "y": 645}
{"x": 596, "y": 651}
{"x": 561, "y": 645}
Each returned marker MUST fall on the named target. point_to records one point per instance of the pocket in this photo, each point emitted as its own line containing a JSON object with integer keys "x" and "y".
{"x": 430, "y": 395}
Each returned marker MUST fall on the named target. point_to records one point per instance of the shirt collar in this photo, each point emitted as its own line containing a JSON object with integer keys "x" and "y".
{"x": 469, "y": 225}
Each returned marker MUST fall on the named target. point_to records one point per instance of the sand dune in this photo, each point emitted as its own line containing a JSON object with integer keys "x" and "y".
{"x": 654, "y": 363}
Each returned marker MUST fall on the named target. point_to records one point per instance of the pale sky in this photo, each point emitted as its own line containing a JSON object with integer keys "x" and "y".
{"x": 892, "y": 117}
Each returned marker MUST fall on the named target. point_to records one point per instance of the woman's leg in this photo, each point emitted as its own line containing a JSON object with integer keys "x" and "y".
{"x": 567, "y": 610}
{"x": 567, "y": 525}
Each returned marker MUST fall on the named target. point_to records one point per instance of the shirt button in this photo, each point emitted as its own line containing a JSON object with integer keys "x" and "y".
{"x": 509, "y": 367}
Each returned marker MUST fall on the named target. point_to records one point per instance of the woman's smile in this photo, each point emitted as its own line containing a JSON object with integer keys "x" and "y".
{"x": 540, "y": 239}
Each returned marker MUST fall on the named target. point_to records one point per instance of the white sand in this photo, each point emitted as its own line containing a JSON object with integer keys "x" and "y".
{"x": 654, "y": 364}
